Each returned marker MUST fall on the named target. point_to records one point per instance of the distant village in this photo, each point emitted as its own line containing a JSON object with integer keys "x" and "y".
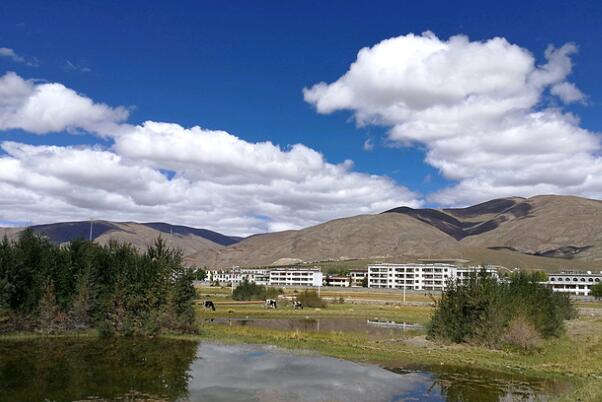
{"x": 429, "y": 276}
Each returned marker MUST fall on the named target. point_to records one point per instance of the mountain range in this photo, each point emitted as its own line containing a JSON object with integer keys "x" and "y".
{"x": 542, "y": 232}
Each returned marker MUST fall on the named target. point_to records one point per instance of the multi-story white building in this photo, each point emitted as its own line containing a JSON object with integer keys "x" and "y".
{"x": 296, "y": 276}
{"x": 279, "y": 276}
{"x": 431, "y": 277}
{"x": 236, "y": 275}
{"x": 357, "y": 277}
{"x": 577, "y": 283}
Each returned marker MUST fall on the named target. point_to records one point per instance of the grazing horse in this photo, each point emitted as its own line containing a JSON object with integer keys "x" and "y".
{"x": 208, "y": 304}
{"x": 271, "y": 303}
{"x": 297, "y": 305}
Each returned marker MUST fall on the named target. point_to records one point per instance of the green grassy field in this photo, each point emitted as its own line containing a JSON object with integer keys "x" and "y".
{"x": 349, "y": 295}
{"x": 414, "y": 314}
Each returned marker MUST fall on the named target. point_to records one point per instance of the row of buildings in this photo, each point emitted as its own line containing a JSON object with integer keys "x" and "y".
{"x": 425, "y": 276}
{"x": 431, "y": 277}
{"x": 293, "y": 276}
{"x": 287, "y": 276}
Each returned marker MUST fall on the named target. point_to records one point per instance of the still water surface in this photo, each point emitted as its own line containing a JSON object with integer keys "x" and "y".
{"x": 173, "y": 370}
{"x": 374, "y": 327}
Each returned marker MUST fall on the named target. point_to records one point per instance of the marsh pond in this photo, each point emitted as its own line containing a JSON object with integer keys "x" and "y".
{"x": 92, "y": 369}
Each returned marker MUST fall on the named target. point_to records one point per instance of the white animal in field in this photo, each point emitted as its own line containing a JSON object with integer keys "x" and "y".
{"x": 271, "y": 303}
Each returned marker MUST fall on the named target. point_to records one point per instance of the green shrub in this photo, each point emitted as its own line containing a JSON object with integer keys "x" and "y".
{"x": 251, "y": 291}
{"x": 481, "y": 311}
{"x": 310, "y": 298}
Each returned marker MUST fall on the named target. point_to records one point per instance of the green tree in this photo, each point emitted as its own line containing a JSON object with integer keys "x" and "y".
{"x": 200, "y": 274}
{"x": 597, "y": 290}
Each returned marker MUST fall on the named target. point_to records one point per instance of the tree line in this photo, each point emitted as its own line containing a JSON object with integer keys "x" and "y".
{"x": 113, "y": 288}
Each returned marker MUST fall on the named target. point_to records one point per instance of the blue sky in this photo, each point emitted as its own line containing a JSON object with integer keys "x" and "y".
{"x": 241, "y": 67}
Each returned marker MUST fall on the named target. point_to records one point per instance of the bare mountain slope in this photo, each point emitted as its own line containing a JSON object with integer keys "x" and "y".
{"x": 141, "y": 236}
{"x": 383, "y": 235}
{"x": 549, "y": 232}
{"x": 555, "y": 226}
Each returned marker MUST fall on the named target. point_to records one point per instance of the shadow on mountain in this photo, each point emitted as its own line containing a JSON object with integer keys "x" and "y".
{"x": 68, "y": 231}
{"x": 186, "y": 231}
{"x": 454, "y": 221}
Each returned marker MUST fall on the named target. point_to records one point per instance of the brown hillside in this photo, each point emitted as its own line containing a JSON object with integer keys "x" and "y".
{"x": 542, "y": 232}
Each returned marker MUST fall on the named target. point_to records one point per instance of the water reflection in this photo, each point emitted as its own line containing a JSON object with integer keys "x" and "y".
{"x": 171, "y": 370}
{"x": 457, "y": 384}
{"x": 112, "y": 369}
{"x": 260, "y": 373}
{"x": 374, "y": 327}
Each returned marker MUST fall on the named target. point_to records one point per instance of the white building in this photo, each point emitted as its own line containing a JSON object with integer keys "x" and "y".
{"x": 574, "y": 282}
{"x": 296, "y": 276}
{"x": 236, "y": 275}
{"x": 340, "y": 281}
{"x": 431, "y": 277}
{"x": 357, "y": 277}
{"x": 279, "y": 276}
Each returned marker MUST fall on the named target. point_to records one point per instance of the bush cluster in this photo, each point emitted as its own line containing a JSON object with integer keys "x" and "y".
{"x": 251, "y": 291}
{"x": 310, "y": 298}
{"x": 113, "y": 288}
{"x": 491, "y": 312}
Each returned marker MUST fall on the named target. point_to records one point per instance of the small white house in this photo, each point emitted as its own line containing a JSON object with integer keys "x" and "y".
{"x": 340, "y": 281}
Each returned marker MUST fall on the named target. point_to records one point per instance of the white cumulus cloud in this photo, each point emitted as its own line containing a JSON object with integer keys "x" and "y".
{"x": 477, "y": 108}
{"x": 42, "y": 108}
{"x": 159, "y": 171}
